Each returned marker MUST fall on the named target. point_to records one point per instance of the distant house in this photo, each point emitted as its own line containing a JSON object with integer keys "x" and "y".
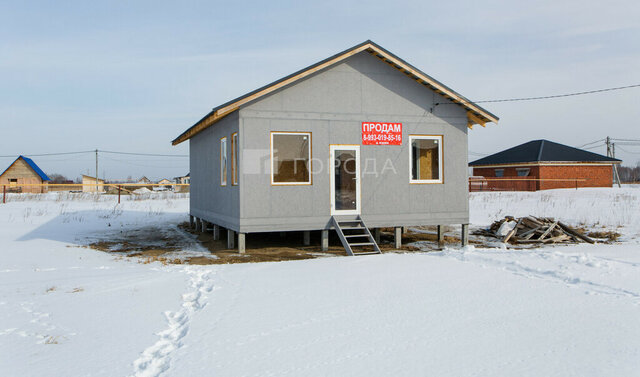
{"x": 144, "y": 180}
{"x": 23, "y": 171}
{"x": 89, "y": 184}
{"x": 543, "y": 165}
{"x": 184, "y": 180}
{"x": 166, "y": 184}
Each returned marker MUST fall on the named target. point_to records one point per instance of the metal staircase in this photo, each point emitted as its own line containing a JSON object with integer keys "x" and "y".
{"x": 354, "y": 233}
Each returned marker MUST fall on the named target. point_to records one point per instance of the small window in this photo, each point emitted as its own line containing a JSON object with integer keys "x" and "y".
{"x": 291, "y": 158}
{"x": 223, "y": 161}
{"x": 234, "y": 158}
{"x": 523, "y": 172}
{"x": 426, "y": 159}
{"x": 499, "y": 172}
{"x": 13, "y": 181}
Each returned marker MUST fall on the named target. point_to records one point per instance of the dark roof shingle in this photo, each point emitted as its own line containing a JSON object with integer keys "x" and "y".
{"x": 542, "y": 150}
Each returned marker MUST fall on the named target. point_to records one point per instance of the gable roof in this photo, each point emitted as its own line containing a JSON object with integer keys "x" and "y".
{"x": 542, "y": 151}
{"x": 475, "y": 113}
{"x": 32, "y": 165}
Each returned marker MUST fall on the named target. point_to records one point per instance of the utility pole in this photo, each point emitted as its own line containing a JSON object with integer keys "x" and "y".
{"x": 97, "y": 170}
{"x": 611, "y": 152}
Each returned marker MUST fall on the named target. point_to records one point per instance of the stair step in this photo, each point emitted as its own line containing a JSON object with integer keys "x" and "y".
{"x": 360, "y": 231}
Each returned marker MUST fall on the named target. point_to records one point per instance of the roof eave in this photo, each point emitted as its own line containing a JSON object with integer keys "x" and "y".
{"x": 475, "y": 114}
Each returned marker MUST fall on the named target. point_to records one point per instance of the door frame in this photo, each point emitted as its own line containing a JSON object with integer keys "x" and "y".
{"x": 332, "y": 178}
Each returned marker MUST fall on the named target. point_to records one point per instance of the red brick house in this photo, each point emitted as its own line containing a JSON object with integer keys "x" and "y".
{"x": 543, "y": 165}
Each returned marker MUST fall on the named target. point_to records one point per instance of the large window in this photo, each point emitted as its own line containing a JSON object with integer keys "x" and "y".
{"x": 223, "y": 161}
{"x": 426, "y": 158}
{"x": 291, "y": 158}
{"x": 234, "y": 158}
{"x": 523, "y": 172}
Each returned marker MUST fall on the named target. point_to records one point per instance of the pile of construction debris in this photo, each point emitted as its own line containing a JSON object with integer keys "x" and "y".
{"x": 531, "y": 230}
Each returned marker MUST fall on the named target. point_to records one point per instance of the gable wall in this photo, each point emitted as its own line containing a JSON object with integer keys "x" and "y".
{"x": 22, "y": 171}
{"x": 332, "y": 105}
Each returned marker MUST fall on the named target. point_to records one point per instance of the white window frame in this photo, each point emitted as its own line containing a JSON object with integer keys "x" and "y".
{"x": 234, "y": 159}
{"x": 332, "y": 179}
{"x": 440, "y": 142}
{"x": 310, "y": 180}
{"x": 224, "y": 163}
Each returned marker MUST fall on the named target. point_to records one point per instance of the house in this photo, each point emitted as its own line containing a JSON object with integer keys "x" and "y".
{"x": 543, "y": 165}
{"x": 144, "y": 180}
{"x": 165, "y": 185}
{"x": 184, "y": 180}
{"x": 89, "y": 184}
{"x": 360, "y": 140}
{"x": 23, "y": 175}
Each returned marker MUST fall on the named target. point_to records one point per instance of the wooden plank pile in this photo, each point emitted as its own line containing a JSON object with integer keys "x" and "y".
{"x": 531, "y": 230}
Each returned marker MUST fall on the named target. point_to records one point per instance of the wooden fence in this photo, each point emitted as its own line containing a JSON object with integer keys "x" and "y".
{"x": 477, "y": 184}
{"x": 102, "y": 188}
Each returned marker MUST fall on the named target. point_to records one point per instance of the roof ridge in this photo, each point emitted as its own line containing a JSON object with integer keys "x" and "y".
{"x": 540, "y": 150}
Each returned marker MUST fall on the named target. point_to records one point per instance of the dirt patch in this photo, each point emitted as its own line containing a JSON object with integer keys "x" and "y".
{"x": 182, "y": 245}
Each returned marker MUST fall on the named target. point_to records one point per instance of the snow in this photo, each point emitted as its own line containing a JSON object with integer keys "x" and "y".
{"x": 554, "y": 311}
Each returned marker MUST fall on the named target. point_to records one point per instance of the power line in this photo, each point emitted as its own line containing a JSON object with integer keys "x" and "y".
{"x": 547, "y": 97}
{"x": 638, "y": 140}
{"x": 593, "y": 142}
{"x": 50, "y": 154}
{"x": 626, "y": 151}
{"x": 100, "y": 151}
{"x": 145, "y": 154}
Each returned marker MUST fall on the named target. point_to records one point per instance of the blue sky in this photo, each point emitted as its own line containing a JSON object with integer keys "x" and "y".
{"x": 132, "y": 75}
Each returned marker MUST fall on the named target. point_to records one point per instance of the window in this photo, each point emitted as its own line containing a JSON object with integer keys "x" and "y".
{"x": 13, "y": 181}
{"x": 291, "y": 158}
{"x": 223, "y": 161}
{"x": 522, "y": 172}
{"x": 426, "y": 159}
{"x": 499, "y": 172}
{"x": 234, "y": 158}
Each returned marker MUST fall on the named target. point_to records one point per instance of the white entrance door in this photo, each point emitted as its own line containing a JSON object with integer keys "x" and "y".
{"x": 345, "y": 179}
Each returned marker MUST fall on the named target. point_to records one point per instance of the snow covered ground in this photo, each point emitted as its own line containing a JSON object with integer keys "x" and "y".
{"x": 555, "y": 311}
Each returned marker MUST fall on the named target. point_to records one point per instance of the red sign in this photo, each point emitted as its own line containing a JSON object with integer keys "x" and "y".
{"x": 377, "y": 133}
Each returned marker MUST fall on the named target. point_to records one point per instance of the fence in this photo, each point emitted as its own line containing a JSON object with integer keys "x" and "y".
{"x": 520, "y": 184}
{"x": 118, "y": 189}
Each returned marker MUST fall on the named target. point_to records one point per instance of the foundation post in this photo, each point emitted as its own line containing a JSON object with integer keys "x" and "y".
{"x": 398, "y": 237}
{"x": 191, "y": 222}
{"x": 307, "y": 238}
{"x": 325, "y": 240}
{"x": 198, "y": 224}
{"x": 241, "y": 243}
{"x": 376, "y": 235}
{"x": 231, "y": 235}
{"x": 464, "y": 236}
{"x": 440, "y": 235}
{"x": 204, "y": 226}
{"x": 216, "y": 232}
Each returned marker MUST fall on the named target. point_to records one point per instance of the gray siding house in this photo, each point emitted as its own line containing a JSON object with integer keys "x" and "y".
{"x": 361, "y": 137}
